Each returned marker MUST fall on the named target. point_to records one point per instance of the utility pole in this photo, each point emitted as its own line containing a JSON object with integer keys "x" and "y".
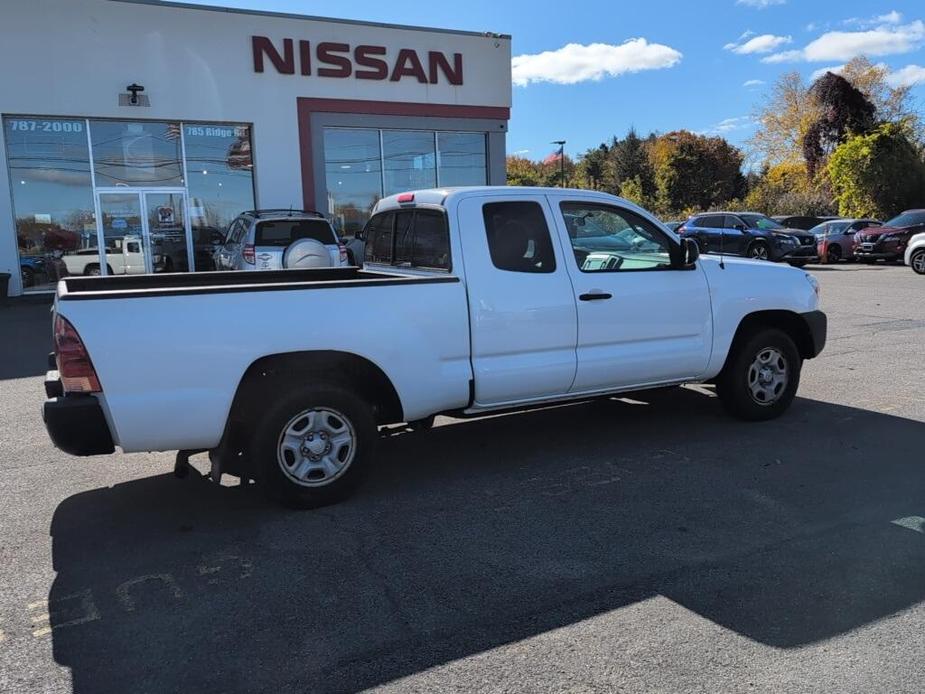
{"x": 561, "y": 144}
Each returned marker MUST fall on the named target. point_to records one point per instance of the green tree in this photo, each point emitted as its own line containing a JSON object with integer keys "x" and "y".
{"x": 592, "y": 168}
{"x": 632, "y": 189}
{"x": 877, "y": 175}
{"x": 695, "y": 171}
{"x": 786, "y": 189}
{"x": 629, "y": 159}
{"x": 523, "y": 172}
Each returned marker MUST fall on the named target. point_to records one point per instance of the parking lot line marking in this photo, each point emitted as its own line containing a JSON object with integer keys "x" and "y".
{"x": 37, "y": 604}
{"x": 44, "y": 631}
{"x": 916, "y": 523}
{"x": 41, "y": 617}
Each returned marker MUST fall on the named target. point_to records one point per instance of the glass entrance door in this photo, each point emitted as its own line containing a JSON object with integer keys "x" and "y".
{"x": 141, "y": 231}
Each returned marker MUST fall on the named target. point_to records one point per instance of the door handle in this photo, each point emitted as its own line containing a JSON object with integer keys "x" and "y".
{"x": 595, "y": 295}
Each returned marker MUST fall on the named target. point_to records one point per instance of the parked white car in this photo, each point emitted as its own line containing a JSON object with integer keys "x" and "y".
{"x": 471, "y": 300}
{"x": 278, "y": 239}
{"x": 126, "y": 257}
{"x": 915, "y": 253}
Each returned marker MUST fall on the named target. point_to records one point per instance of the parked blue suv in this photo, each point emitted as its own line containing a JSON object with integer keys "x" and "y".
{"x": 751, "y": 235}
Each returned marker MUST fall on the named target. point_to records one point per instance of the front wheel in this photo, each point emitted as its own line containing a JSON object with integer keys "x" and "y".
{"x": 758, "y": 251}
{"x": 761, "y": 375}
{"x": 313, "y": 445}
{"x": 917, "y": 261}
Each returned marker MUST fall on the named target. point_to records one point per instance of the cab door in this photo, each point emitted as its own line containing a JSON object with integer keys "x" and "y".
{"x": 642, "y": 320}
{"x": 521, "y": 302}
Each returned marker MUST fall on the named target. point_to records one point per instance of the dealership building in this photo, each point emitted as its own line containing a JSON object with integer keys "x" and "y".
{"x": 134, "y": 131}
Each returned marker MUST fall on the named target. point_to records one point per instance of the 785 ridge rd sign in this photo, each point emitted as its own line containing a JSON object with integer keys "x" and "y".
{"x": 363, "y": 62}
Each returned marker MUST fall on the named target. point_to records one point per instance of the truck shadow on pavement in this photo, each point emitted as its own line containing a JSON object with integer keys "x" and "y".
{"x": 480, "y": 533}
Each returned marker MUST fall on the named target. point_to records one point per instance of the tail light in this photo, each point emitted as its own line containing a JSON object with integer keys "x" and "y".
{"x": 343, "y": 252}
{"x": 74, "y": 365}
{"x": 249, "y": 255}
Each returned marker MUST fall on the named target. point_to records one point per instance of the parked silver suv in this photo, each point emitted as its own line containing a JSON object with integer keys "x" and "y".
{"x": 280, "y": 239}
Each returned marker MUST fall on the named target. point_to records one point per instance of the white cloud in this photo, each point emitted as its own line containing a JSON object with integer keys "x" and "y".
{"x": 727, "y": 125}
{"x": 520, "y": 152}
{"x": 752, "y": 83}
{"x": 575, "y": 62}
{"x": 908, "y": 76}
{"x": 837, "y": 69}
{"x": 760, "y": 4}
{"x": 893, "y": 17}
{"x": 758, "y": 44}
{"x": 845, "y": 45}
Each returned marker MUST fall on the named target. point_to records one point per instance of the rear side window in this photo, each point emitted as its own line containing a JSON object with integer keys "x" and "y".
{"x": 282, "y": 232}
{"x": 713, "y": 221}
{"x": 518, "y": 237}
{"x": 431, "y": 240}
{"x": 421, "y": 239}
{"x": 379, "y": 232}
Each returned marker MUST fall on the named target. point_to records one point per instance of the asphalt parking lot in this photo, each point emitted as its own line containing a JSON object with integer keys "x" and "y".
{"x": 639, "y": 544}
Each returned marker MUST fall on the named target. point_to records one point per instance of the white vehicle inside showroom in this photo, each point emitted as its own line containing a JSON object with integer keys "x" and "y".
{"x": 142, "y": 129}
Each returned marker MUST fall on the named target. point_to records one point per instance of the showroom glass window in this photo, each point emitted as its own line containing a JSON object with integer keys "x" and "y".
{"x": 363, "y": 165}
{"x": 462, "y": 159}
{"x": 135, "y": 153}
{"x": 410, "y": 160}
{"x": 52, "y": 191}
{"x": 353, "y": 176}
{"x": 219, "y": 174}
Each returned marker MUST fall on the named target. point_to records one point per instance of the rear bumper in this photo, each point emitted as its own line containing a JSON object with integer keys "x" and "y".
{"x": 817, "y": 325}
{"x": 76, "y": 425}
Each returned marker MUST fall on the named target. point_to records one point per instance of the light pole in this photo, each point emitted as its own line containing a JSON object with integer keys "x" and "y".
{"x": 561, "y": 144}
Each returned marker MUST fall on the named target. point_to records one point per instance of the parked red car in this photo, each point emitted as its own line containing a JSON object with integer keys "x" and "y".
{"x": 888, "y": 242}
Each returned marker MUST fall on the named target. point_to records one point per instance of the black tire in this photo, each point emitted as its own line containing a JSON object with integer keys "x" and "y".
{"x": 732, "y": 385}
{"x": 28, "y": 277}
{"x": 759, "y": 250}
{"x": 833, "y": 253}
{"x": 917, "y": 261}
{"x": 264, "y": 451}
{"x": 92, "y": 270}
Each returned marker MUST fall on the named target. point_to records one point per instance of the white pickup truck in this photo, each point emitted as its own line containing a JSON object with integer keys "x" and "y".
{"x": 471, "y": 300}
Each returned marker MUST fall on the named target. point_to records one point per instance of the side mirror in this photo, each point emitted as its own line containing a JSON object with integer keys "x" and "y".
{"x": 690, "y": 252}
{"x": 741, "y": 227}
{"x": 359, "y": 235}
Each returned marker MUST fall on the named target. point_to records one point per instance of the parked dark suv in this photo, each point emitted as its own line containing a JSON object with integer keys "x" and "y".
{"x": 804, "y": 222}
{"x": 751, "y": 235}
{"x": 888, "y": 242}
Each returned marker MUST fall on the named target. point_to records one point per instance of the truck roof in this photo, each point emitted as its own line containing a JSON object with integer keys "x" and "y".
{"x": 444, "y": 196}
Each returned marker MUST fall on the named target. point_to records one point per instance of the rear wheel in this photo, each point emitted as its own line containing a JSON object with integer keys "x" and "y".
{"x": 761, "y": 375}
{"x": 312, "y": 446}
{"x": 917, "y": 261}
{"x": 92, "y": 270}
{"x": 833, "y": 253}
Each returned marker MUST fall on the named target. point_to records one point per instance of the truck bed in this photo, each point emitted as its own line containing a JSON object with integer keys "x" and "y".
{"x": 183, "y": 284}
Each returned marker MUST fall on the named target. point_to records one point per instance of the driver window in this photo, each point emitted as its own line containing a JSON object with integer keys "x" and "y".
{"x": 609, "y": 239}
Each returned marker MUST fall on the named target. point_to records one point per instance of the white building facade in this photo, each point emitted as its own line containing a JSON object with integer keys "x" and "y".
{"x": 134, "y": 131}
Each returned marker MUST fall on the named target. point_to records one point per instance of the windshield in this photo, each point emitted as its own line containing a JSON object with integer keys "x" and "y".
{"x": 759, "y": 221}
{"x": 908, "y": 219}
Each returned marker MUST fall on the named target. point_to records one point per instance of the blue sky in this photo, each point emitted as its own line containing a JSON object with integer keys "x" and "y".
{"x": 696, "y": 65}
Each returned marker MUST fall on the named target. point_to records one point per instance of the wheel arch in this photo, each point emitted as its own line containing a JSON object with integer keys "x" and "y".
{"x": 337, "y": 367}
{"x": 790, "y": 322}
